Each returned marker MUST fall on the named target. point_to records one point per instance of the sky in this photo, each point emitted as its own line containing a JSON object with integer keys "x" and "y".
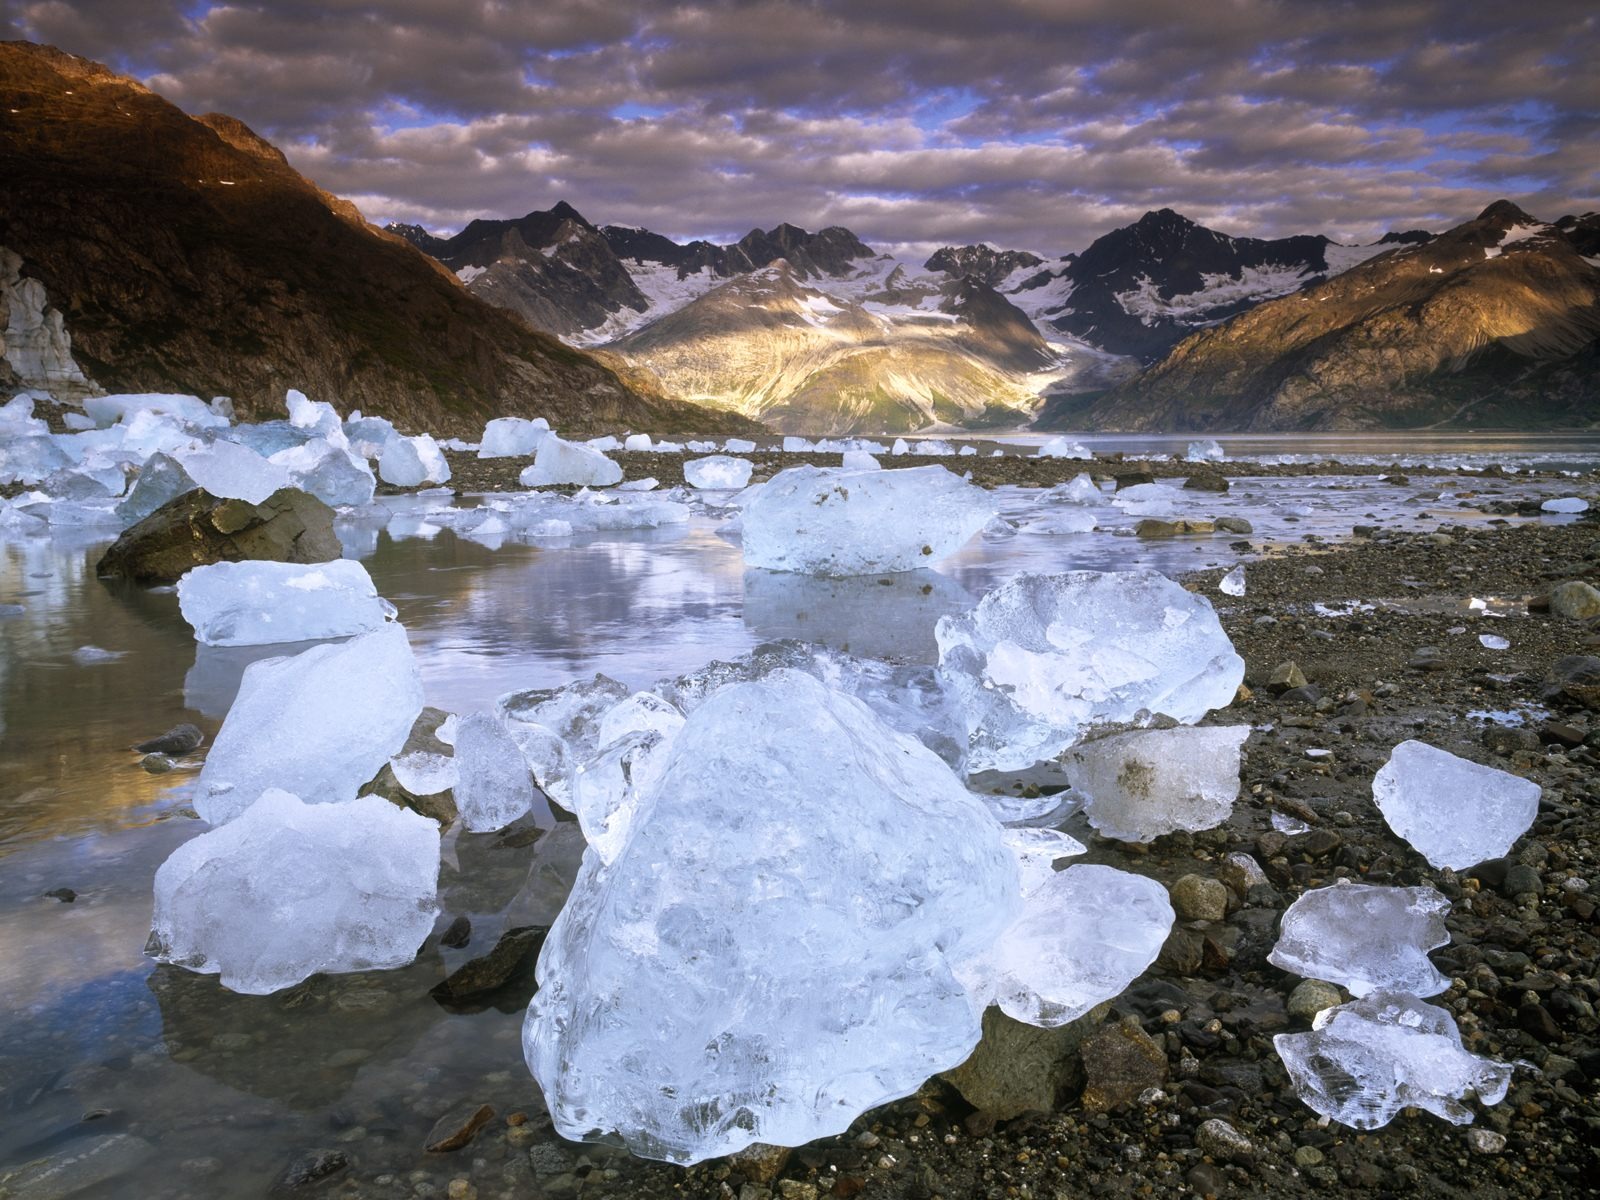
{"x": 1031, "y": 124}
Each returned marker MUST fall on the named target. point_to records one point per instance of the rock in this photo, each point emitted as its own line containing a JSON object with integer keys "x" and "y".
{"x": 760, "y": 1162}
{"x": 1129, "y": 479}
{"x": 1120, "y": 1061}
{"x": 180, "y": 739}
{"x": 1019, "y": 1068}
{"x": 1207, "y": 481}
{"x": 197, "y": 529}
{"x": 1575, "y": 600}
{"x": 1155, "y": 527}
{"x": 1311, "y": 996}
{"x": 437, "y": 806}
{"x": 1307, "y": 1156}
{"x": 1222, "y": 1141}
{"x": 65, "y": 895}
{"x": 1240, "y": 873}
{"x": 1576, "y": 679}
{"x": 82, "y": 1165}
{"x": 157, "y": 764}
{"x": 309, "y": 1168}
{"x": 482, "y": 975}
{"x": 1234, "y": 525}
{"x": 1485, "y": 1141}
{"x": 1286, "y": 676}
{"x": 457, "y": 1127}
{"x": 1520, "y": 879}
{"x": 457, "y": 934}
{"x": 1199, "y": 898}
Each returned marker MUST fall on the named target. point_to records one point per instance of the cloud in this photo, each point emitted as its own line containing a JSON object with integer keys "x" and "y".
{"x": 1025, "y": 122}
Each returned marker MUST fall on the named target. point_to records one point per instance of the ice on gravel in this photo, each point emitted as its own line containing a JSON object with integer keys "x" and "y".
{"x": 559, "y": 462}
{"x": 230, "y": 471}
{"x": 1454, "y": 812}
{"x": 292, "y": 889}
{"x": 1232, "y": 584}
{"x": 256, "y": 603}
{"x": 320, "y": 724}
{"x": 1565, "y": 504}
{"x": 773, "y": 950}
{"x": 512, "y": 437}
{"x": 1080, "y": 489}
{"x": 835, "y": 522}
{"x": 411, "y": 461}
{"x": 1363, "y": 1062}
{"x": 1062, "y": 447}
{"x": 1043, "y": 659}
{"x": 719, "y": 471}
{"x": 1366, "y": 938}
{"x": 1138, "y": 786}
{"x": 493, "y": 787}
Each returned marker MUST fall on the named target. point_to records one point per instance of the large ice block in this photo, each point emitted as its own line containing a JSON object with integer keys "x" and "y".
{"x": 160, "y": 479}
{"x": 290, "y": 889}
{"x": 317, "y": 418}
{"x": 230, "y": 471}
{"x": 834, "y": 522}
{"x": 255, "y": 603}
{"x": 410, "y": 461}
{"x": 718, "y": 471}
{"x": 1043, "y": 659}
{"x": 329, "y": 472}
{"x": 319, "y": 724}
{"x": 124, "y": 407}
{"x": 1453, "y": 811}
{"x": 771, "y": 953}
{"x": 512, "y": 437}
{"x": 1137, "y": 786}
{"x": 558, "y": 462}
{"x": 1366, "y": 938}
{"x": 493, "y": 787}
{"x": 1364, "y": 1061}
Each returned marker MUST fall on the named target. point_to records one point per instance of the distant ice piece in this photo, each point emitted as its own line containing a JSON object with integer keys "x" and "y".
{"x": 1080, "y": 489}
{"x": 558, "y": 462}
{"x": 1366, "y": 938}
{"x": 1044, "y": 658}
{"x": 1454, "y": 812}
{"x": 797, "y": 445}
{"x": 410, "y": 461}
{"x": 859, "y": 460}
{"x": 230, "y": 471}
{"x": 290, "y": 889}
{"x": 738, "y": 446}
{"x": 1232, "y": 584}
{"x": 1493, "y": 641}
{"x": 1138, "y": 786}
{"x": 320, "y": 723}
{"x": 255, "y": 603}
{"x": 826, "y": 522}
{"x": 719, "y": 471}
{"x": 1063, "y": 447}
{"x": 493, "y": 787}
{"x": 772, "y": 951}
{"x": 1364, "y": 1061}
{"x": 1061, "y": 520}
{"x": 368, "y": 435}
{"x": 1565, "y": 504}
{"x": 124, "y": 407}
{"x": 607, "y": 441}
{"x": 329, "y": 472}
{"x": 1152, "y": 500}
{"x": 317, "y": 417}
{"x": 89, "y": 656}
{"x": 1206, "y": 451}
{"x": 512, "y": 437}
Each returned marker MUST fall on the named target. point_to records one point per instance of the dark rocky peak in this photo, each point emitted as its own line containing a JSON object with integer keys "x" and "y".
{"x": 241, "y": 137}
{"x": 1408, "y": 237}
{"x": 417, "y": 236}
{"x": 642, "y": 245}
{"x": 1004, "y": 328}
{"x": 1583, "y": 232}
{"x": 1503, "y": 214}
{"x": 480, "y": 242}
{"x": 980, "y": 261}
{"x": 829, "y": 251}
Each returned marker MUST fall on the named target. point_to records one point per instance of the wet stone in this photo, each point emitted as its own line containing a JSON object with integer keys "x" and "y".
{"x": 180, "y": 739}
{"x": 458, "y": 1127}
{"x": 1197, "y": 898}
{"x": 1120, "y": 1062}
{"x": 483, "y": 975}
{"x": 308, "y": 1169}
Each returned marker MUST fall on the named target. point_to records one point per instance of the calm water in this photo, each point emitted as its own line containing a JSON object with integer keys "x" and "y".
{"x": 210, "y": 1094}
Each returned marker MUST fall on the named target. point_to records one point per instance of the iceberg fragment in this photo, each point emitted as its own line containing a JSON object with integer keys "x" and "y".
{"x": 329, "y": 472}
{"x": 559, "y": 728}
{"x": 410, "y": 461}
{"x": 493, "y": 787}
{"x": 719, "y": 471}
{"x": 1232, "y": 584}
{"x": 1454, "y": 812}
{"x": 1063, "y": 447}
{"x": 559, "y": 462}
{"x": 230, "y": 471}
{"x": 512, "y": 437}
{"x": 255, "y": 603}
{"x": 1138, "y": 786}
{"x": 1206, "y": 451}
{"x": 1366, "y": 938}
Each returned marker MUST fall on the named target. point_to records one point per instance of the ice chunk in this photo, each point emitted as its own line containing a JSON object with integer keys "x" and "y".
{"x": 1083, "y": 936}
{"x": 738, "y": 446}
{"x": 1232, "y": 584}
{"x": 253, "y": 603}
{"x": 329, "y": 472}
{"x": 1060, "y": 521}
{"x": 637, "y": 442}
{"x": 900, "y": 446}
{"x": 771, "y": 953}
{"x": 557, "y": 462}
{"x": 608, "y": 441}
{"x": 1493, "y": 641}
{"x": 290, "y": 889}
{"x": 559, "y": 728}
{"x": 317, "y": 417}
{"x": 1044, "y": 658}
{"x": 493, "y": 787}
{"x": 409, "y": 461}
{"x": 648, "y": 484}
{"x": 1366, "y": 938}
{"x": 1080, "y": 489}
{"x": 89, "y": 656}
{"x": 718, "y": 472}
{"x": 512, "y": 437}
{"x": 29, "y": 460}
{"x": 1565, "y": 504}
{"x": 859, "y": 460}
{"x": 797, "y": 445}
{"x": 1138, "y": 786}
{"x": 1151, "y": 500}
{"x": 368, "y": 435}
{"x": 1454, "y": 812}
{"x": 1063, "y": 447}
{"x": 320, "y": 723}
{"x": 124, "y": 407}
{"x": 1206, "y": 451}
{"x": 1037, "y": 851}
{"x": 609, "y": 789}
{"x": 825, "y": 522}
{"x": 230, "y": 471}
{"x": 426, "y": 765}
{"x": 1364, "y": 1061}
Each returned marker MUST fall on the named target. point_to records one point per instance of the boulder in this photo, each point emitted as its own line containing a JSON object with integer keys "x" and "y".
{"x": 1019, "y": 1068}
{"x": 197, "y": 529}
{"x": 1575, "y": 600}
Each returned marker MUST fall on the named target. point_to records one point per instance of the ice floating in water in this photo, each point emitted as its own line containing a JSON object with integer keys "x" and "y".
{"x": 1061, "y": 521}
{"x": 1152, "y": 500}
{"x": 29, "y": 460}
{"x": 1063, "y": 447}
{"x": 718, "y": 472}
{"x": 410, "y": 461}
{"x": 320, "y": 724}
{"x": 559, "y": 462}
{"x": 1454, "y": 812}
{"x": 1138, "y": 786}
{"x": 559, "y": 728}
{"x": 230, "y": 471}
{"x": 1232, "y": 584}
{"x": 1044, "y": 658}
{"x": 772, "y": 951}
{"x": 88, "y": 656}
{"x": 827, "y": 522}
{"x": 512, "y": 437}
{"x": 1080, "y": 489}
{"x": 493, "y": 787}
{"x": 290, "y": 889}
{"x": 1084, "y": 935}
{"x": 1493, "y": 641}
{"x": 1207, "y": 451}
{"x": 1366, "y": 938}
{"x": 329, "y": 472}
{"x": 1565, "y": 504}
{"x": 255, "y": 603}
{"x": 426, "y": 765}
{"x": 1364, "y": 1061}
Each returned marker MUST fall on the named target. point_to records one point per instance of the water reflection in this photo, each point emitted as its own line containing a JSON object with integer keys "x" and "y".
{"x": 870, "y": 616}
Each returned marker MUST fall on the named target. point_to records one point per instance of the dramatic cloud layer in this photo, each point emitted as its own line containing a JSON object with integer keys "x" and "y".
{"x": 1031, "y": 123}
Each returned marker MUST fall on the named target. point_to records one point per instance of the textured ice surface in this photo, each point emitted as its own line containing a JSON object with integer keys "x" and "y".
{"x": 717, "y": 471}
{"x": 319, "y": 724}
{"x": 557, "y": 461}
{"x": 1232, "y": 584}
{"x": 1080, "y": 489}
{"x": 426, "y": 765}
{"x": 1138, "y": 786}
{"x": 1044, "y": 658}
{"x": 1366, "y": 938}
{"x": 1083, "y": 936}
{"x": 409, "y": 461}
{"x": 859, "y": 460}
{"x": 124, "y": 407}
{"x": 254, "y": 603}
{"x": 290, "y": 889}
{"x": 230, "y": 471}
{"x": 317, "y": 417}
{"x": 493, "y": 787}
{"x": 826, "y": 522}
{"x": 1453, "y": 811}
{"x": 30, "y": 459}
{"x": 512, "y": 437}
{"x": 1036, "y": 852}
{"x": 1152, "y": 500}
{"x": 1364, "y": 1061}
{"x": 558, "y": 729}
{"x": 1207, "y": 451}
{"x": 633, "y": 737}
{"x": 368, "y": 435}
{"x": 1493, "y": 641}
{"x": 1565, "y": 504}
{"x": 329, "y": 472}
{"x": 1063, "y": 447}
{"x": 771, "y": 953}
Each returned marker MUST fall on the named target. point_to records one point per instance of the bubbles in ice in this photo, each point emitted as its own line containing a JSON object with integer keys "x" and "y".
{"x": 1232, "y": 584}
{"x": 1137, "y": 786}
{"x": 1455, "y": 812}
{"x": 718, "y": 471}
{"x": 493, "y": 787}
{"x": 1366, "y": 938}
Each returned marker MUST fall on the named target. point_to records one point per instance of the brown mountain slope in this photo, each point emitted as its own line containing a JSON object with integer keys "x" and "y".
{"x": 186, "y": 255}
{"x": 1493, "y": 323}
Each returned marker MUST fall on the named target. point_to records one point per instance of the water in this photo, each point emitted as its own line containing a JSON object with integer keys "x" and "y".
{"x": 219, "y": 1092}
